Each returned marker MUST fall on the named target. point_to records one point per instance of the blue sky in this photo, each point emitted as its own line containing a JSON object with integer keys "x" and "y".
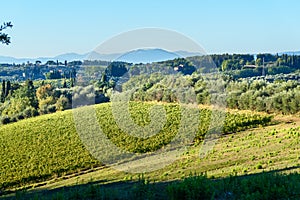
{"x": 49, "y": 28}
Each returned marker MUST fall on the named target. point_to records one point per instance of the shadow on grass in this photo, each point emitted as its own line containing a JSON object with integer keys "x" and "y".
{"x": 265, "y": 185}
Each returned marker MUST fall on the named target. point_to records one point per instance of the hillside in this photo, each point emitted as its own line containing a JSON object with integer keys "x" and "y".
{"x": 47, "y": 148}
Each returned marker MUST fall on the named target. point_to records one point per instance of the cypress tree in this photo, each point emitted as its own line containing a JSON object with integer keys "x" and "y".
{"x": 72, "y": 82}
{"x": 8, "y": 88}
{"x": 3, "y": 91}
{"x": 65, "y": 84}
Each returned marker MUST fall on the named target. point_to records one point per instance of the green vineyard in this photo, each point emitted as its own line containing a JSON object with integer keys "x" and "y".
{"x": 48, "y": 146}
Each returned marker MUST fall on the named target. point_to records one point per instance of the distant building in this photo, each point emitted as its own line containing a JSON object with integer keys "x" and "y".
{"x": 270, "y": 64}
{"x": 249, "y": 66}
{"x": 178, "y": 68}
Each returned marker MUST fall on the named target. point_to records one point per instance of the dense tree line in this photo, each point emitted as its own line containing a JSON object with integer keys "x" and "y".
{"x": 261, "y": 95}
{"x": 19, "y": 101}
{"x": 23, "y": 101}
{"x": 260, "y": 71}
{"x": 276, "y": 96}
{"x": 227, "y": 62}
{"x": 56, "y": 74}
{"x": 165, "y": 81}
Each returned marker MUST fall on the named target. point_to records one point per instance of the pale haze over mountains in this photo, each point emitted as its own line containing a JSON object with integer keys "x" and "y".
{"x": 135, "y": 56}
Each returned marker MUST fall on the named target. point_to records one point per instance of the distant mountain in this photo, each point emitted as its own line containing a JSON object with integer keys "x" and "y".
{"x": 147, "y": 56}
{"x": 8, "y": 59}
{"x": 135, "y": 56}
{"x": 290, "y": 53}
{"x": 62, "y": 57}
{"x": 105, "y": 57}
{"x": 67, "y": 56}
{"x": 70, "y": 56}
{"x": 187, "y": 53}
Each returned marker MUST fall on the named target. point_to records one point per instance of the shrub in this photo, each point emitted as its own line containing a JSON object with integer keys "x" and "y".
{"x": 45, "y": 103}
{"x": 5, "y": 120}
{"x": 20, "y": 116}
{"x": 30, "y": 112}
{"x": 259, "y": 166}
{"x": 62, "y": 103}
{"x": 51, "y": 109}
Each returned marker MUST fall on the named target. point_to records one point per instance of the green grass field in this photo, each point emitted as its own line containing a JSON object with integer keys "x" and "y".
{"x": 46, "y": 152}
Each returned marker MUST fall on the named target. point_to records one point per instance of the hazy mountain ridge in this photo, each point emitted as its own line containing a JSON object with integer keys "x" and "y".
{"x": 135, "y": 56}
{"x": 147, "y": 56}
{"x": 290, "y": 53}
{"x": 62, "y": 57}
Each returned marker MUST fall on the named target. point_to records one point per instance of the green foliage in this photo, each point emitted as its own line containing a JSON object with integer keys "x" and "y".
{"x": 46, "y": 98}
{"x": 53, "y": 75}
{"x": 27, "y": 90}
{"x": 258, "y": 62}
{"x": 44, "y": 92}
{"x": 244, "y": 73}
{"x": 83, "y": 96}
{"x": 4, "y": 38}
{"x": 144, "y": 81}
{"x": 40, "y": 148}
{"x": 5, "y": 119}
{"x": 47, "y": 146}
{"x": 261, "y": 95}
{"x": 30, "y": 112}
{"x": 16, "y": 105}
{"x": 262, "y": 186}
{"x": 272, "y": 94}
{"x": 62, "y": 103}
{"x": 8, "y": 89}
{"x": 184, "y": 66}
{"x": 2, "y": 98}
{"x": 116, "y": 69}
{"x": 230, "y": 65}
{"x": 267, "y": 57}
{"x": 279, "y": 70}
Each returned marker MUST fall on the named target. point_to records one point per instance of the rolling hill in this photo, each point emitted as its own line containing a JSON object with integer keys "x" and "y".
{"x": 46, "y": 152}
{"x": 48, "y": 146}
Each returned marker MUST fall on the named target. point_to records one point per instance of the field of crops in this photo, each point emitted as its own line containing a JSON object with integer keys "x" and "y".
{"x": 48, "y": 146}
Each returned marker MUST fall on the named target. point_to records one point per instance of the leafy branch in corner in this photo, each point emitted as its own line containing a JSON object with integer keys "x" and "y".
{"x": 4, "y": 38}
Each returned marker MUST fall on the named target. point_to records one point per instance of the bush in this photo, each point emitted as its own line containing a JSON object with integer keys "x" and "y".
{"x": 51, "y": 109}
{"x": 45, "y": 103}
{"x": 13, "y": 119}
{"x": 20, "y": 116}
{"x": 83, "y": 96}
{"x": 5, "y": 120}
{"x": 30, "y": 112}
{"x": 261, "y": 186}
{"x": 62, "y": 103}
{"x": 46, "y": 109}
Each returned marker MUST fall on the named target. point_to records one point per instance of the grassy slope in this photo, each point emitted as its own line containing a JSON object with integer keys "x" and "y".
{"x": 40, "y": 148}
{"x": 274, "y": 147}
{"x": 247, "y": 152}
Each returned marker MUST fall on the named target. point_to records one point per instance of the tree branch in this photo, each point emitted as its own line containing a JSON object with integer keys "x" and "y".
{"x": 3, "y": 36}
